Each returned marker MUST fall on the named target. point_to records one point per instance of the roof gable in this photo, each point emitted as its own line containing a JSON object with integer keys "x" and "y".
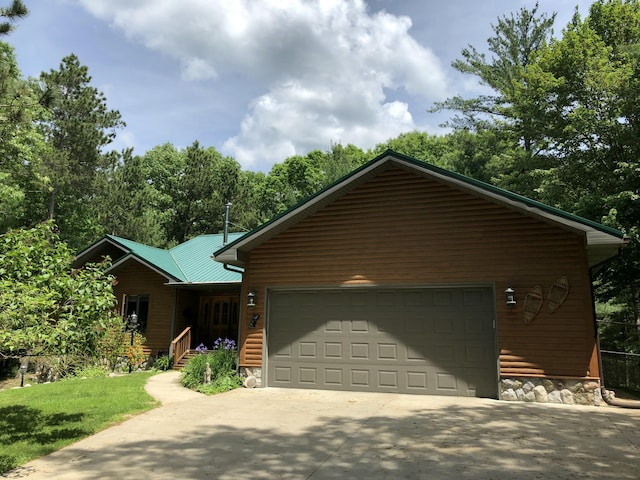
{"x": 189, "y": 262}
{"x": 602, "y": 242}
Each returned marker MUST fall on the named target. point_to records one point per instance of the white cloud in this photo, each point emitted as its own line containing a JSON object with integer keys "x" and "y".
{"x": 197, "y": 69}
{"x": 326, "y": 67}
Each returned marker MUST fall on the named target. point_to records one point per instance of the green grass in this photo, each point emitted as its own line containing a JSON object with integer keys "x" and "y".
{"x": 41, "y": 419}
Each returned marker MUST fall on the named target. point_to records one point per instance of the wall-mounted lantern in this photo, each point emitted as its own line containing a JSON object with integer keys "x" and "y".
{"x": 510, "y": 296}
{"x": 251, "y": 299}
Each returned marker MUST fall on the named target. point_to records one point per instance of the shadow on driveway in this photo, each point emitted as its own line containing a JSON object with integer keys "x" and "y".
{"x": 299, "y": 434}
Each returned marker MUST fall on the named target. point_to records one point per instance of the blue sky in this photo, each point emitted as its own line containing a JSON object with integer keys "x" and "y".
{"x": 261, "y": 81}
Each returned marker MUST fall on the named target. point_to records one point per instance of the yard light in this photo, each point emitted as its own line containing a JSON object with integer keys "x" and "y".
{"x": 510, "y": 296}
{"x": 133, "y": 325}
{"x": 251, "y": 296}
{"x": 23, "y": 370}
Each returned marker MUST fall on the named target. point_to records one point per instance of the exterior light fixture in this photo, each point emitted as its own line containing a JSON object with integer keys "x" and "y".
{"x": 251, "y": 297}
{"x": 23, "y": 370}
{"x": 510, "y": 296}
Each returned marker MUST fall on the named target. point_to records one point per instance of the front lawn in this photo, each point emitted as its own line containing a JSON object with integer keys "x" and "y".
{"x": 38, "y": 420}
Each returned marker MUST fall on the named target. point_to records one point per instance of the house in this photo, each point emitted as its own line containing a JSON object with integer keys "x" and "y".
{"x": 404, "y": 277}
{"x": 180, "y": 290}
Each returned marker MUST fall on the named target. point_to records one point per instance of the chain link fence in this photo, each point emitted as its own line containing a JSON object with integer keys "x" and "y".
{"x": 621, "y": 369}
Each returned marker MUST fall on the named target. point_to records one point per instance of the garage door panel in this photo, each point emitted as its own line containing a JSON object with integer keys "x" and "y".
{"x": 359, "y": 326}
{"x": 428, "y": 341}
{"x": 284, "y": 351}
{"x": 333, "y": 326}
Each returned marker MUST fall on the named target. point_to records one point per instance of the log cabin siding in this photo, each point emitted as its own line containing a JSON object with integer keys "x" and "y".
{"x": 136, "y": 279}
{"x": 403, "y": 229}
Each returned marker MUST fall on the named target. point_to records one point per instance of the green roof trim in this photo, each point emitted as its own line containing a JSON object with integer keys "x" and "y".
{"x": 390, "y": 155}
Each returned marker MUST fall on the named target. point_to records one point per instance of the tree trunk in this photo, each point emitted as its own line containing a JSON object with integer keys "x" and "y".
{"x": 52, "y": 204}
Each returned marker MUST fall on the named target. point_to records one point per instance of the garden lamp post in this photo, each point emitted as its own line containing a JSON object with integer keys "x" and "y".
{"x": 23, "y": 370}
{"x": 133, "y": 325}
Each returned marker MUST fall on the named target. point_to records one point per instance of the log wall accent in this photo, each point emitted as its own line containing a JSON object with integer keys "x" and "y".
{"x": 403, "y": 229}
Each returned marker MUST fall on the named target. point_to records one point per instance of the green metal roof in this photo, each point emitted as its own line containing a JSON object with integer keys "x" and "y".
{"x": 157, "y": 257}
{"x": 189, "y": 262}
{"x": 194, "y": 259}
{"x": 601, "y": 240}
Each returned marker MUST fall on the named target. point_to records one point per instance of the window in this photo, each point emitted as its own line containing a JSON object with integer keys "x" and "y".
{"x": 138, "y": 304}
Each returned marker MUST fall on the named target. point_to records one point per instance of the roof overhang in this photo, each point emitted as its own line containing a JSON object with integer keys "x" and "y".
{"x": 601, "y": 242}
{"x": 130, "y": 257}
{"x": 95, "y": 249}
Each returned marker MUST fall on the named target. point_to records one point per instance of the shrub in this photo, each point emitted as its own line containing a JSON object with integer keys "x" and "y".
{"x": 135, "y": 353}
{"x": 221, "y": 384}
{"x": 164, "y": 362}
{"x": 113, "y": 342}
{"x": 89, "y": 371}
{"x": 222, "y": 360}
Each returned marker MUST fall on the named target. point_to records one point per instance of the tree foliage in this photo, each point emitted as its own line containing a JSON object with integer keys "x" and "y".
{"x": 78, "y": 126}
{"x": 514, "y": 48}
{"x": 16, "y": 9}
{"x": 46, "y": 307}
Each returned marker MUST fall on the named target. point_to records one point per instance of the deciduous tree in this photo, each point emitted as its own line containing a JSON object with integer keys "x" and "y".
{"x": 46, "y": 307}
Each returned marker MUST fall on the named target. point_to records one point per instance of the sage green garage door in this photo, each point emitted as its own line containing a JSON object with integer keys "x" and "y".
{"x": 438, "y": 341}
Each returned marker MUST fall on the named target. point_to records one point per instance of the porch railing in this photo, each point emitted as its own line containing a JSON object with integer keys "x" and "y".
{"x": 181, "y": 345}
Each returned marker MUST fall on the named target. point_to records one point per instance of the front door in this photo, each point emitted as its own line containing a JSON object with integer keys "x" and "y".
{"x": 218, "y": 318}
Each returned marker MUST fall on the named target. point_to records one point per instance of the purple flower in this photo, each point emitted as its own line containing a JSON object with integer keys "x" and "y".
{"x": 201, "y": 348}
{"x": 226, "y": 344}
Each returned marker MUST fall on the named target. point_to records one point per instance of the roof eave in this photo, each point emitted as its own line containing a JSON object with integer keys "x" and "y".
{"x": 133, "y": 256}
{"x": 83, "y": 256}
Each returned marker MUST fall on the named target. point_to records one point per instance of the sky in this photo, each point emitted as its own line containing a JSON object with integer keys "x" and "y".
{"x": 265, "y": 80}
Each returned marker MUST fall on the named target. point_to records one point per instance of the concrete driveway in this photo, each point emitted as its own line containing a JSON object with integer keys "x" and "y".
{"x": 302, "y": 434}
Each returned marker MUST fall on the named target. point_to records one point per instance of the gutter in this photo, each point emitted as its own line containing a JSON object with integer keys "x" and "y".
{"x": 226, "y": 266}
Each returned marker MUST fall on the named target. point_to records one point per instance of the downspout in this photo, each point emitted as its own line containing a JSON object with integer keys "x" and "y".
{"x": 614, "y": 402}
{"x": 225, "y": 239}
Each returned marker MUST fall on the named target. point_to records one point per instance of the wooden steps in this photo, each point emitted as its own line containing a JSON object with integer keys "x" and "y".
{"x": 190, "y": 354}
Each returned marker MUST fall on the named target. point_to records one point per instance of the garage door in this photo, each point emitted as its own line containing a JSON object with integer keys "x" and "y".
{"x": 438, "y": 341}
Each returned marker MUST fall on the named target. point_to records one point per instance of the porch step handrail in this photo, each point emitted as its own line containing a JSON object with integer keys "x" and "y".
{"x": 181, "y": 345}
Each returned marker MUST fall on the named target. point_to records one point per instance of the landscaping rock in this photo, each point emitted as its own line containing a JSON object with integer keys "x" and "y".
{"x": 541, "y": 394}
{"x": 567, "y": 397}
{"x": 554, "y": 397}
{"x": 509, "y": 395}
